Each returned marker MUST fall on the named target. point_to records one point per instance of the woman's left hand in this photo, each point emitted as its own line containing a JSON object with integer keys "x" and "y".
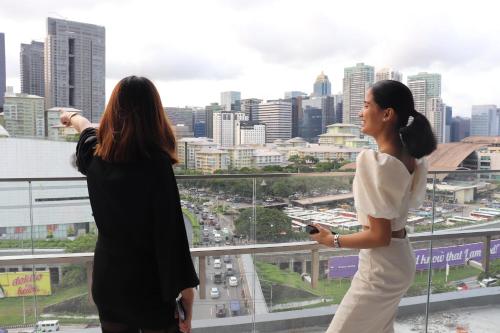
{"x": 324, "y": 236}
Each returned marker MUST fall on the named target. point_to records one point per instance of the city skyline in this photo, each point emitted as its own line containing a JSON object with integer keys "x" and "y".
{"x": 260, "y": 60}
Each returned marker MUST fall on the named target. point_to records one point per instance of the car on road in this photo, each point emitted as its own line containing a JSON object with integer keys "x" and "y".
{"x": 233, "y": 281}
{"x": 227, "y": 259}
{"x": 218, "y": 277}
{"x": 234, "y": 306}
{"x": 461, "y": 285}
{"x": 217, "y": 238}
{"x": 488, "y": 282}
{"x": 214, "y": 292}
{"x": 217, "y": 263}
{"x": 229, "y": 269}
{"x": 220, "y": 310}
{"x": 217, "y": 226}
{"x": 47, "y": 326}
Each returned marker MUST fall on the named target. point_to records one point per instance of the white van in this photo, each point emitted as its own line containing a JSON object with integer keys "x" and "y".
{"x": 47, "y": 326}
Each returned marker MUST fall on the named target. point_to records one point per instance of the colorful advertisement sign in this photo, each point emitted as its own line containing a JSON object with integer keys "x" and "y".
{"x": 19, "y": 284}
{"x": 346, "y": 266}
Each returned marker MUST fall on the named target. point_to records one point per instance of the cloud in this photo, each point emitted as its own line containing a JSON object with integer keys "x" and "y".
{"x": 174, "y": 65}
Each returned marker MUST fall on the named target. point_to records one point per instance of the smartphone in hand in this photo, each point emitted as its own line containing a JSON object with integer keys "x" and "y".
{"x": 310, "y": 229}
{"x": 180, "y": 309}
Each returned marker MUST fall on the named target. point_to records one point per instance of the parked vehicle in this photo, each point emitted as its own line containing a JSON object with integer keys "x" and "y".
{"x": 488, "y": 282}
{"x": 217, "y": 263}
{"x": 229, "y": 269}
{"x": 227, "y": 259}
{"x": 47, "y": 326}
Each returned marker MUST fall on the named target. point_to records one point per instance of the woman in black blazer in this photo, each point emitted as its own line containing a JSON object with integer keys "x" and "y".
{"x": 142, "y": 260}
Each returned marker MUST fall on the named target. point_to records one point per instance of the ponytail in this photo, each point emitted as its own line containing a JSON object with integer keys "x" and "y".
{"x": 417, "y": 137}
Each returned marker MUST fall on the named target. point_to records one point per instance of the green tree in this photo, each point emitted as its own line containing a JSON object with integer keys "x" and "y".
{"x": 84, "y": 243}
{"x": 272, "y": 168}
{"x": 310, "y": 159}
{"x": 271, "y": 226}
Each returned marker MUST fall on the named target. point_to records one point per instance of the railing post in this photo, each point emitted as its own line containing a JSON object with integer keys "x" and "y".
{"x": 90, "y": 268}
{"x": 314, "y": 268}
{"x": 202, "y": 269}
{"x": 486, "y": 255}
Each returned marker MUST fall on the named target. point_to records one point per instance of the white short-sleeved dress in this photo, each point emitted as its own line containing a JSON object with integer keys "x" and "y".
{"x": 383, "y": 188}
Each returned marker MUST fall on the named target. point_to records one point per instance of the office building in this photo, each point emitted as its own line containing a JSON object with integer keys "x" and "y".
{"x": 448, "y": 115}
{"x": 326, "y": 104}
{"x": 248, "y": 106}
{"x": 24, "y": 115}
{"x": 230, "y": 100}
{"x": 310, "y": 126}
{"x": 250, "y": 133}
{"x": 2, "y": 71}
{"x": 180, "y": 116}
{"x": 224, "y": 127}
{"x": 294, "y": 93}
{"x": 436, "y": 116}
{"x": 277, "y": 116}
{"x": 209, "y": 121}
{"x": 32, "y": 69}
{"x": 460, "y": 128}
{"x": 75, "y": 67}
{"x": 322, "y": 86}
{"x": 209, "y": 160}
{"x": 388, "y": 74}
{"x": 357, "y": 80}
{"x": 188, "y": 148}
{"x": 485, "y": 120}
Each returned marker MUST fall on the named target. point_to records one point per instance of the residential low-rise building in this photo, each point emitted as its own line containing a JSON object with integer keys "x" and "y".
{"x": 265, "y": 157}
{"x": 209, "y": 160}
{"x": 187, "y": 149}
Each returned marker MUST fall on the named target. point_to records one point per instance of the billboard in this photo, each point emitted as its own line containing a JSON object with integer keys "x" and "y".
{"x": 19, "y": 284}
{"x": 346, "y": 266}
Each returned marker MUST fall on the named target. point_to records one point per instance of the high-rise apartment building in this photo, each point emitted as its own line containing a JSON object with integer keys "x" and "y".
{"x": 224, "y": 125}
{"x": 388, "y": 74}
{"x": 24, "y": 115}
{"x": 424, "y": 86}
{"x": 2, "y": 70}
{"x": 33, "y": 69}
{"x": 230, "y": 100}
{"x": 249, "y": 105}
{"x": 322, "y": 86}
{"x": 277, "y": 116}
{"x": 357, "y": 80}
{"x": 75, "y": 67}
{"x": 485, "y": 120}
{"x": 436, "y": 116}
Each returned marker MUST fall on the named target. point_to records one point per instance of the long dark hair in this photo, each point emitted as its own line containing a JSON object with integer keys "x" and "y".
{"x": 417, "y": 137}
{"x": 134, "y": 123}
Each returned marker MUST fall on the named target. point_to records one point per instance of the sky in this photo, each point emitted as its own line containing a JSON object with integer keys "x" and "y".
{"x": 193, "y": 50}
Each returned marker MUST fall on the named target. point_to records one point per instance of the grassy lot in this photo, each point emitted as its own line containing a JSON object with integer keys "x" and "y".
{"x": 196, "y": 225}
{"x": 11, "y": 309}
{"x": 336, "y": 289}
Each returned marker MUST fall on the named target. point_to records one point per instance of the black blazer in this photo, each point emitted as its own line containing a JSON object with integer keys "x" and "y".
{"x": 142, "y": 259}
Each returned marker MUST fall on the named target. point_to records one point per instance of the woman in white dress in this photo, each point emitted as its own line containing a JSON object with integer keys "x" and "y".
{"x": 387, "y": 183}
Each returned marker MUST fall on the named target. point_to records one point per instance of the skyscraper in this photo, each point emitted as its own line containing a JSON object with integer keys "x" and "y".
{"x": 2, "y": 70}
{"x": 448, "y": 111}
{"x": 224, "y": 125}
{"x": 277, "y": 116}
{"x": 388, "y": 74}
{"x": 209, "y": 122}
{"x": 230, "y": 100}
{"x": 32, "y": 69}
{"x": 180, "y": 116}
{"x": 322, "y": 85}
{"x": 460, "y": 128}
{"x": 249, "y": 105}
{"x": 356, "y": 82}
{"x": 75, "y": 67}
{"x": 436, "y": 116}
{"x": 485, "y": 120}
{"x": 424, "y": 86}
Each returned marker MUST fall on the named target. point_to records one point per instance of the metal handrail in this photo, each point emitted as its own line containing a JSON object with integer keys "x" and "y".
{"x": 74, "y": 258}
{"x": 250, "y": 175}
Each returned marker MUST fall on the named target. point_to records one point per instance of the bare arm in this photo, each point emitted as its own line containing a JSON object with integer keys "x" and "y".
{"x": 77, "y": 121}
{"x": 187, "y": 302}
{"x": 378, "y": 235}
